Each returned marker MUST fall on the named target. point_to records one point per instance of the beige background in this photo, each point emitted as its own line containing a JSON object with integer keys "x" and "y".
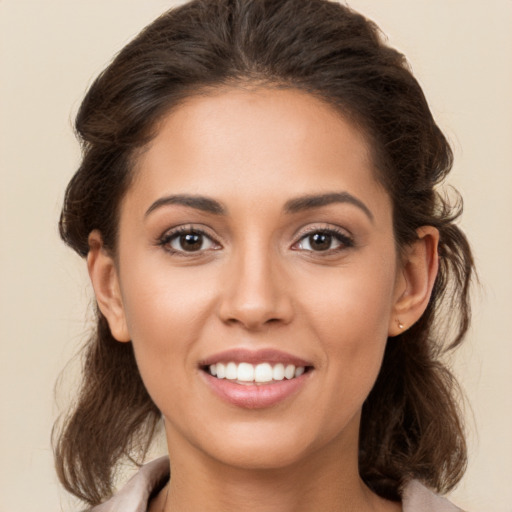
{"x": 50, "y": 50}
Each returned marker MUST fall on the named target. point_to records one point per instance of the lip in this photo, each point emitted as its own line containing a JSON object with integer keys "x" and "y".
{"x": 242, "y": 355}
{"x": 255, "y": 396}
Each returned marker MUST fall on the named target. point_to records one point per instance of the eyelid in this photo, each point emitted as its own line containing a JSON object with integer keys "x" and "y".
{"x": 342, "y": 234}
{"x": 322, "y": 226}
{"x": 170, "y": 234}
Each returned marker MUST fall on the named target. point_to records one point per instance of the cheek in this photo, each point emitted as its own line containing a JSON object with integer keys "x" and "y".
{"x": 161, "y": 301}
{"x": 165, "y": 313}
{"x": 350, "y": 315}
{"x": 353, "y": 303}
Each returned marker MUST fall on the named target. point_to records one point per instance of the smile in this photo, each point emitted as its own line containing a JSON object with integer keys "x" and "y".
{"x": 247, "y": 373}
{"x": 255, "y": 379}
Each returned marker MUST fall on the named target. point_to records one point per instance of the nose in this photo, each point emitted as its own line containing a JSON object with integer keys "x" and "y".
{"x": 255, "y": 292}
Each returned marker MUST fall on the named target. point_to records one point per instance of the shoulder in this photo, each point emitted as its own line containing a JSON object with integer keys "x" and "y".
{"x": 135, "y": 495}
{"x": 417, "y": 498}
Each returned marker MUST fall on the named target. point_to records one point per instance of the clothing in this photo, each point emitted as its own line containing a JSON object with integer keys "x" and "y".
{"x": 135, "y": 494}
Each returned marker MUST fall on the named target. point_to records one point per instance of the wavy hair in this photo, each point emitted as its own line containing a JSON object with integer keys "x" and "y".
{"x": 411, "y": 425}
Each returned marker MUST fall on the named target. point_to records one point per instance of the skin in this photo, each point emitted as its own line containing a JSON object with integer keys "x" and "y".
{"x": 257, "y": 282}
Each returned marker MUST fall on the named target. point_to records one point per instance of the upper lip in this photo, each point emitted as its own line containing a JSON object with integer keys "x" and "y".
{"x": 243, "y": 355}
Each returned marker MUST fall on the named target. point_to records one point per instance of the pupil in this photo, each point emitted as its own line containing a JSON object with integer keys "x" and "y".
{"x": 191, "y": 241}
{"x": 320, "y": 241}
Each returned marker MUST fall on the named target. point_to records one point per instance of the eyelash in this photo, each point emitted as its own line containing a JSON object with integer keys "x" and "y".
{"x": 168, "y": 237}
{"x": 345, "y": 240}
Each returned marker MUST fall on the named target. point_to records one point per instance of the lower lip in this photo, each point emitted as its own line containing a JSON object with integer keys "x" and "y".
{"x": 255, "y": 396}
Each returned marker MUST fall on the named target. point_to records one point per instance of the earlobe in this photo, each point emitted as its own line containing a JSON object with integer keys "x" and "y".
{"x": 415, "y": 280}
{"x": 104, "y": 278}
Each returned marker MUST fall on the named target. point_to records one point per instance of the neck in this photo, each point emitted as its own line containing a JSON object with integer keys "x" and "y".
{"x": 319, "y": 482}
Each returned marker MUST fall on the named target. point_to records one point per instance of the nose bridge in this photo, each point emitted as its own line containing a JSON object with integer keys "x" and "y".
{"x": 255, "y": 292}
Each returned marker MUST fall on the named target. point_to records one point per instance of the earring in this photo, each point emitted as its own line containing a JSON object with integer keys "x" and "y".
{"x": 400, "y": 324}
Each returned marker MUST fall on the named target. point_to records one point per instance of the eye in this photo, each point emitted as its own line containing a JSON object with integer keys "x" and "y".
{"x": 187, "y": 240}
{"x": 323, "y": 240}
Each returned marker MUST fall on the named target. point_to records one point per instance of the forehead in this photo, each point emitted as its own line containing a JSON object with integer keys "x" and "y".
{"x": 258, "y": 143}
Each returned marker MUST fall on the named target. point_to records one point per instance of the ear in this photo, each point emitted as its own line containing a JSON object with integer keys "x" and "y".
{"x": 415, "y": 280}
{"x": 105, "y": 281}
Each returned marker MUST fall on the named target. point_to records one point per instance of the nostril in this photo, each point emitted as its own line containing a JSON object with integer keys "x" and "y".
{"x": 252, "y": 320}
{"x": 253, "y": 296}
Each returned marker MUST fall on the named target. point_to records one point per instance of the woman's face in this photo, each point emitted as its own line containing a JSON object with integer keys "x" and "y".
{"x": 256, "y": 240}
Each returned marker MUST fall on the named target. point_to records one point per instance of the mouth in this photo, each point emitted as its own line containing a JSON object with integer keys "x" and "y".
{"x": 255, "y": 379}
{"x": 245, "y": 373}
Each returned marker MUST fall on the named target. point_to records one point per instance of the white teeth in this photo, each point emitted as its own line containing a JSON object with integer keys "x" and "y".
{"x": 260, "y": 373}
{"x": 263, "y": 373}
{"x": 221, "y": 371}
{"x": 278, "y": 372}
{"x": 245, "y": 372}
{"x": 289, "y": 371}
{"x": 231, "y": 371}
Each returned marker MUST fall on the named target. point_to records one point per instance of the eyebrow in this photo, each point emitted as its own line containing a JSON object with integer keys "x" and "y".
{"x": 202, "y": 203}
{"x": 295, "y": 205}
{"x": 316, "y": 201}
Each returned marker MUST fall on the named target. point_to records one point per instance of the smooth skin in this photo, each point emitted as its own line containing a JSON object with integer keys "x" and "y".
{"x": 321, "y": 281}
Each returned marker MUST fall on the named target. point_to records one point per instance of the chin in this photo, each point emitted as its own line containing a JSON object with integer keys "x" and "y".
{"x": 262, "y": 455}
{"x": 274, "y": 445}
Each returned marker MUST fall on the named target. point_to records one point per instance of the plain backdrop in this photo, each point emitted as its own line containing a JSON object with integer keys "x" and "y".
{"x": 460, "y": 50}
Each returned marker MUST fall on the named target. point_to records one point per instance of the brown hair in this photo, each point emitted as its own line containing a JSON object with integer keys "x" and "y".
{"x": 411, "y": 425}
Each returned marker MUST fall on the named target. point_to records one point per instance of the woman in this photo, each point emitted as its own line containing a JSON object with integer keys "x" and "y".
{"x": 271, "y": 261}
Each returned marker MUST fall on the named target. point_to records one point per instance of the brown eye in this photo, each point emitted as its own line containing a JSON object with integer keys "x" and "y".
{"x": 188, "y": 241}
{"x": 320, "y": 241}
{"x": 324, "y": 240}
{"x": 191, "y": 242}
